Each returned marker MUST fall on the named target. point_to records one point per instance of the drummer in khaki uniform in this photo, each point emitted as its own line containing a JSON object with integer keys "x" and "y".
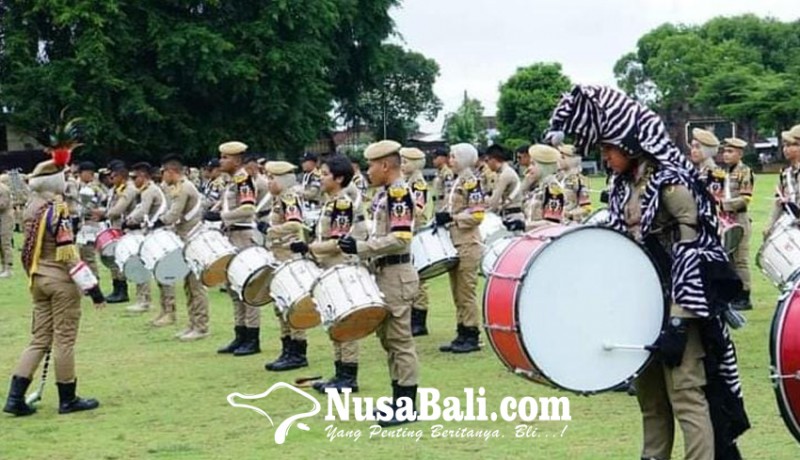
{"x": 736, "y": 199}
{"x": 286, "y": 227}
{"x": 121, "y": 203}
{"x": 92, "y": 196}
{"x": 577, "y": 202}
{"x": 263, "y": 197}
{"x": 703, "y": 148}
{"x": 788, "y": 193}
{"x": 237, "y": 213}
{"x": 463, "y": 215}
{"x": 548, "y": 199}
{"x": 6, "y": 227}
{"x": 388, "y": 246}
{"x": 523, "y": 161}
{"x": 49, "y": 255}
{"x": 151, "y": 205}
{"x": 312, "y": 195}
{"x": 340, "y": 217}
{"x": 215, "y": 187}
{"x": 184, "y": 214}
{"x": 485, "y": 175}
{"x": 443, "y": 180}
{"x": 506, "y": 196}
{"x": 413, "y": 161}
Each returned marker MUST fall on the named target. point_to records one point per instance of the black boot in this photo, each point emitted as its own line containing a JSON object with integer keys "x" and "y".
{"x": 320, "y": 386}
{"x": 238, "y": 338}
{"x": 251, "y": 344}
{"x": 743, "y": 302}
{"x": 68, "y": 402}
{"x": 120, "y": 293}
{"x": 295, "y": 359}
{"x": 470, "y": 342}
{"x": 400, "y": 391}
{"x": 448, "y": 347}
{"x": 348, "y": 379}
{"x": 418, "y": 320}
{"x": 15, "y": 404}
{"x": 286, "y": 344}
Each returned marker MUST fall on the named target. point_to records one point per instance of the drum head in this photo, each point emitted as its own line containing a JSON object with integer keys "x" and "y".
{"x": 437, "y": 268}
{"x": 171, "y": 268}
{"x": 135, "y": 270}
{"x": 566, "y": 329}
{"x": 785, "y": 357}
{"x": 358, "y": 323}
{"x": 303, "y": 313}
{"x": 256, "y": 290}
{"x": 217, "y": 272}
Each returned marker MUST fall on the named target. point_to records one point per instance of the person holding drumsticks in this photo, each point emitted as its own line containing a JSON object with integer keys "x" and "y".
{"x": 656, "y": 198}
{"x": 548, "y": 198}
{"x": 788, "y": 194}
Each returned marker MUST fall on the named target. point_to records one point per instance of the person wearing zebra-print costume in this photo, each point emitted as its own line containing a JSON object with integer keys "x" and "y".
{"x": 656, "y": 196}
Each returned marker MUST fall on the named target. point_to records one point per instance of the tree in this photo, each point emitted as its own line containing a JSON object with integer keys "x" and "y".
{"x": 527, "y": 100}
{"x": 466, "y": 124}
{"x": 154, "y": 77}
{"x": 402, "y": 91}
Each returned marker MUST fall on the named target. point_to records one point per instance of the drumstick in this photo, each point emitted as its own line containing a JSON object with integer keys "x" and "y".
{"x": 618, "y": 346}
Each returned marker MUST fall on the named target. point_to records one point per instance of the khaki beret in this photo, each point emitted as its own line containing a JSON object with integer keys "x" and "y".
{"x": 279, "y": 168}
{"x": 704, "y": 137}
{"x": 544, "y": 154}
{"x": 735, "y": 142}
{"x": 44, "y": 168}
{"x": 567, "y": 150}
{"x": 412, "y": 153}
{"x": 381, "y": 149}
{"x": 793, "y": 135}
{"x": 232, "y": 148}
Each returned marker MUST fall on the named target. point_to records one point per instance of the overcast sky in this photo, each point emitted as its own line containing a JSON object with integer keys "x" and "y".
{"x": 480, "y": 43}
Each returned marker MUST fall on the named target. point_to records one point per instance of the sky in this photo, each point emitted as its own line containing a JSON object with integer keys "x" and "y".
{"x": 478, "y": 44}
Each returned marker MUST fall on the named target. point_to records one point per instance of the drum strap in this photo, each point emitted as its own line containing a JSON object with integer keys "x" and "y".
{"x": 263, "y": 202}
{"x": 194, "y": 211}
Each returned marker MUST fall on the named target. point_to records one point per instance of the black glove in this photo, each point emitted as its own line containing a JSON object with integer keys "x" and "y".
{"x": 443, "y": 218}
{"x": 76, "y": 224}
{"x": 262, "y": 214}
{"x": 299, "y": 247}
{"x": 604, "y": 196}
{"x": 262, "y": 227}
{"x": 672, "y": 342}
{"x": 348, "y": 245}
{"x": 129, "y": 226}
{"x": 97, "y": 295}
{"x": 514, "y": 224}
{"x": 158, "y": 224}
{"x": 212, "y": 216}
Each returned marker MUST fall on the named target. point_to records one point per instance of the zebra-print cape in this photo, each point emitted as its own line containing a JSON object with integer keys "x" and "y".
{"x": 595, "y": 115}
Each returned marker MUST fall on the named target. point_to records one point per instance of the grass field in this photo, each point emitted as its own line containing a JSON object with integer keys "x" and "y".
{"x": 164, "y": 399}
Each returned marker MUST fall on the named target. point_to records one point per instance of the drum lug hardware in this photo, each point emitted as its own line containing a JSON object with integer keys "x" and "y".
{"x": 503, "y": 276}
{"x": 496, "y": 327}
{"x": 775, "y": 376}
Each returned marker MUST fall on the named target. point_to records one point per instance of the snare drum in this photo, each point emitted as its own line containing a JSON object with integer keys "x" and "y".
{"x": 106, "y": 242}
{"x": 126, "y": 256}
{"x": 492, "y": 229}
{"x": 599, "y": 217}
{"x": 784, "y": 347}
{"x": 88, "y": 233}
{"x": 162, "y": 253}
{"x": 250, "y": 274}
{"x": 291, "y": 289}
{"x": 731, "y": 234}
{"x": 349, "y": 302}
{"x": 208, "y": 253}
{"x": 585, "y": 340}
{"x": 779, "y": 256}
{"x": 492, "y": 252}
{"x": 432, "y": 252}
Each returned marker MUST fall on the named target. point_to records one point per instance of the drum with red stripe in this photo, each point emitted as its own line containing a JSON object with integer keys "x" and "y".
{"x": 785, "y": 356}
{"x": 574, "y": 307}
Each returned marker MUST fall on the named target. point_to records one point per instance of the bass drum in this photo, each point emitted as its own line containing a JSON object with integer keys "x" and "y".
{"x": 784, "y": 350}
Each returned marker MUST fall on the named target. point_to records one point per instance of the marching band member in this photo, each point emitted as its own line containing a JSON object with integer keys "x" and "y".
{"x": 546, "y": 205}
{"x": 485, "y": 175}
{"x": 92, "y": 196}
{"x": 443, "y": 180}
{"x": 462, "y": 216}
{"x": 505, "y": 199}
{"x": 655, "y": 198}
{"x": 340, "y": 217}
{"x": 215, "y": 188}
{"x": 388, "y": 246}
{"x": 788, "y": 195}
{"x": 6, "y": 227}
{"x": 703, "y": 149}
{"x": 310, "y": 181}
{"x": 263, "y": 197}
{"x": 56, "y": 278}
{"x": 286, "y": 227}
{"x": 523, "y": 161}
{"x": 538, "y": 169}
{"x": 120, "y": 204}
{"x": 737, "y": 195}
{"x": 412, "y": 162}
{"x": 237, "y": 211}
{"x": 577, "y": 202}
{"x": 184, "y": 214}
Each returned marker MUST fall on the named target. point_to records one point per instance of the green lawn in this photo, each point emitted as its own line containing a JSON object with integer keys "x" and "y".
{"x": 165, "y": 399}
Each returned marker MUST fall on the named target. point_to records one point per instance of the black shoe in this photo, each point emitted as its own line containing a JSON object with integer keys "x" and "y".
{"x": 295, "y": 359}
{"x": 743, "y": 302}
{"x": 448, "y": 347}
{"x": 285, "y": 346}
{"x": 68, "y": 402}
{"x": 15, "y": 404}
{"x": 320, "y": 386}
{"x": 399, "y": 392}
{"x": 238, "y": 338}
{"x": 251, "y": 344}
{"x": 348, "y": 379}
{"x": 120, "y": 293}
{"x": 469, "y": 343}
{"x": 418, "y": 320}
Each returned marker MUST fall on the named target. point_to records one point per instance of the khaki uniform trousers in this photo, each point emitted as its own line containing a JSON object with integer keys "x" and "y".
{"x": 421, "y": 301}
{"x": 56, "y": 316}
{"x": 243, "y": 314}
{"x": 399, "y": 285}
{"x": 166, "y": 296}
{"x": 464, "y": 283}
{"x": 741, "y": 257}
{"x": 196, "y": 303}
{"x": 666, "y": 394}
{"x": 89, "y": 255}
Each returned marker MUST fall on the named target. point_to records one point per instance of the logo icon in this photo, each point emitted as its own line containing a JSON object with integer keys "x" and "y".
{"x": 283, "y": 428}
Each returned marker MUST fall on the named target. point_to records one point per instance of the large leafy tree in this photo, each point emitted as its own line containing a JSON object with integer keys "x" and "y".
{"x": 466, "y": 124}
{"x": 158, "y": 76}
{"x": 527, "y": 100}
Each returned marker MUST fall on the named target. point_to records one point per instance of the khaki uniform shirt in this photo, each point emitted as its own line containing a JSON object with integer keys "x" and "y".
{"x": 121, "y": 203}
{"x": 286, "y": 224}
{"x": 6, "y": 205}
{"x": 393, "y": 222}
{"x": 420, "y": 189}
{"x": 185, "y": 207}
{"x": 216, "y": 191}
{"x": 739, "y": 189}
{"x": 151, "y": 203}
{"x": 339, "y": 218}
{"x": 311, "y": 186}
{"x": 467, "y": 207}
{"x": 239, "y": 201}
{"x": 577, "y": 202}
{"x": 441, "y": 188}
{"x": 547, "y": 203}
{"x": 47, "y": 265}
{"x": 506, "y": 197}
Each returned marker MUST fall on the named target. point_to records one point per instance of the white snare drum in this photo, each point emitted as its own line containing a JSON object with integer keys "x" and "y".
{"x": 162, "y": 253}
{"x": 779, "y": 256}
{"x": 349, "y": 302}
{"x": 208, "y": 253}
{"x": 492, "y": 228}
{"x": 88, "y": 233}
{"x": 250, "y": 274}
{"x": 492, "y": 252}
{"x": 291, "y": 290}
{"x": 599, "y": 217}
{"x": 311, "y": 216}
{"x": 585, "y": 340}
{"x": 432, "y": 252}
{"x": 126, "y": 256}
{"x": 731, "y": 234}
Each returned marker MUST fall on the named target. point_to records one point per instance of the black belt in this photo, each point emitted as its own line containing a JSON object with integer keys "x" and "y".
{"x": 239, "y": 229}
{"x": 360, "y": 218}
{"x": 385, "y": 261}
{"x": 511, "y": 211}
